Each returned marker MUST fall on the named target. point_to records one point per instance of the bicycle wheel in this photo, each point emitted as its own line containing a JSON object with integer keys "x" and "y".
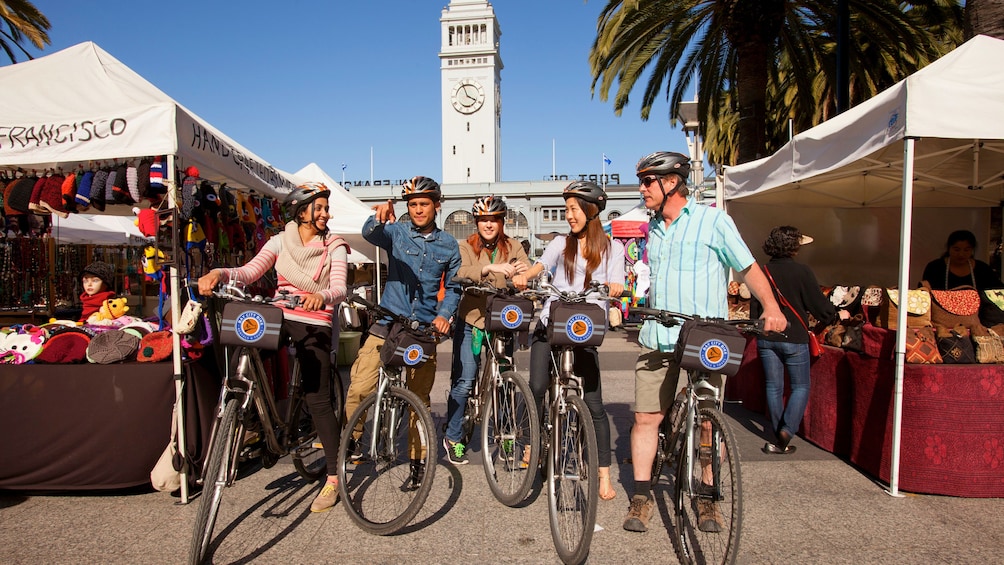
{"x": 308, "y": 454}
{"x": 217, "y": 473}
{"x": 508, "y": 427}
{"x": 379, "y": 493}
{"x": 708, "y": 518}
{"x": 572, "y": 486}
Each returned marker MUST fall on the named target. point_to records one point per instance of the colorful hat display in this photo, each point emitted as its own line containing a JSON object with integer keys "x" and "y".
{"x": 112, "y": 346}
{"x": 67, "y": 345}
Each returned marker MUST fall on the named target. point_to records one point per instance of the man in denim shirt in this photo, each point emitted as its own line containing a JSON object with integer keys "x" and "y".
{"x": 421, "y": 257}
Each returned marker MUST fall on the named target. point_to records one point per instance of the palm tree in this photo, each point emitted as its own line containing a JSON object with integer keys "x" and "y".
{"x": 21, "y": 21}
{"x": 739, "y": 51}
{"x": 985, "y": 17}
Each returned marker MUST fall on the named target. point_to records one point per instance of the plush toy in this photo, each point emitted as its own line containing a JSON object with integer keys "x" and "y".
{"x": 110, "y": 310}
{"x": 151, "y": 262}
{"x": 18, "y": 348}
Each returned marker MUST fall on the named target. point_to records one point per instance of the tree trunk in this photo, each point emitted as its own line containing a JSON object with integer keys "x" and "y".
{"x": 751, "y": 87}
{"x": 984, "y": 17}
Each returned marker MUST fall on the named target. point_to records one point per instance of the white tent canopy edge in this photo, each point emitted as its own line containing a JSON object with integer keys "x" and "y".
{"x": 941, "y": 124}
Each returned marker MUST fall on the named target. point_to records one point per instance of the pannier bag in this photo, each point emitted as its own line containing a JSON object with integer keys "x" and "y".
{"x": 253, "y": 325}
{"x": 705, "y": 346}
{"x": 508, "y": 314}
{"x": 405, "y": 347}
{"x": 578, "y": 324}
{"x": 918, "y": 308}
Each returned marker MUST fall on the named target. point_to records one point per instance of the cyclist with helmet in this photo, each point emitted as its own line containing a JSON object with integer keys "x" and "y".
{"x": 691, "y": 248}
{"x": 586, "y": 254}
{"x": 312, "y": 264}
{"x": 488, "y": 255}
{"x": 421, "y": 258}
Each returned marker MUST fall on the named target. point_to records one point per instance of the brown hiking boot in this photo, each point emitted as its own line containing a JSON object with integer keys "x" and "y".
{"x": 709, "y": 519}
{"x": 639, "y": 513}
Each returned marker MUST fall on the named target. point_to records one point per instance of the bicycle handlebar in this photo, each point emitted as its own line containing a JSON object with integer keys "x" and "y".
{"x": 669, "y": 319}
{"x": 382, "y": 312}
{"x": 545, "y": 290}
{"x": 486, "y": 288}
{"x": 235, "y": 292}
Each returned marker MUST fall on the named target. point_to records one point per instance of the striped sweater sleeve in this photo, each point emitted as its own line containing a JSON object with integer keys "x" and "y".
{"x": 338, "y": 276}
{"x": 256, "y": 267}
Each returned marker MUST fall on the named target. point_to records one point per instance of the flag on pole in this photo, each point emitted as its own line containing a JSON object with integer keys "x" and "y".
{"x": 605, "y": 159}
{"x": 343, "y": 166}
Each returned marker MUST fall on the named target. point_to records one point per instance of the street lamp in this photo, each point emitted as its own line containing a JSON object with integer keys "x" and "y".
{"x": 687, "y": 116}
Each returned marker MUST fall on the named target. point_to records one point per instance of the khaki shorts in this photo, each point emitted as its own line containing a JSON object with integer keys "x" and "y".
{"x": 654, "y": 390}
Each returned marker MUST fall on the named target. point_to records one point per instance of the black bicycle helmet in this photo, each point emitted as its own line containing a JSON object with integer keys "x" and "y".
{"x": 489, "y": 205}
{"x": 662, "y": 163}
{"x": 588, "y": 191}
{"x": 305, "y": 193}
{"x": 421, "y": 186}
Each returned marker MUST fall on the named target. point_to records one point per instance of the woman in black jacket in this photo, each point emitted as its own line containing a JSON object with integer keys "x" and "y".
{"x": 797, "y": 284}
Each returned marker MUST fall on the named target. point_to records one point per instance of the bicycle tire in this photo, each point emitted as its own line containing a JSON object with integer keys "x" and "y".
{"x": 217, "y": 474}
{"x": 692, "y": 544}
{"x": 376, "y": 491}
{"x": 310, "y": 461}
{"x": 572, "y": 484}
{"x": 508, "y": 426}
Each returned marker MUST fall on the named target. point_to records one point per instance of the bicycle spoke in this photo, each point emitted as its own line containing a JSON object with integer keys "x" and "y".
{"x": 572, "y": 482}
{"x": 510, "y": 435}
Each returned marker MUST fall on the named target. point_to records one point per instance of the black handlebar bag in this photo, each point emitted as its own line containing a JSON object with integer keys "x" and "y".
{"x": 508, "y": 314}
{"x": 705, "y": 346}
{"x": 253, "y": 325}
{"x": 405, "y": 347}
{"x": 579, "y": 324}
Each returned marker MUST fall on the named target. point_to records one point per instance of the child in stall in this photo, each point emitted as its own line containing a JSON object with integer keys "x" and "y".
{"x": 96, "y": 279}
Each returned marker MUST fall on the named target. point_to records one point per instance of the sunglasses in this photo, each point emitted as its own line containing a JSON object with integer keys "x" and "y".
{"x": 647, "y": 181}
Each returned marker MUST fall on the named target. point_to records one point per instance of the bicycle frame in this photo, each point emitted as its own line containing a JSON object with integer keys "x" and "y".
{"x": 387, "y": 378}
{"x": 698, "y": 382}
{"x": 563, "y": 381}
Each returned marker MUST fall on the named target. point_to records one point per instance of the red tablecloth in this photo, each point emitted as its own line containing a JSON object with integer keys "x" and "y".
{"x": 952, "y": 436}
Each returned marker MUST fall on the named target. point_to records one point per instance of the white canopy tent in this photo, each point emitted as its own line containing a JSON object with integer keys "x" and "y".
{"x": 82, "y": 106}
{"x": 86, "y": 229}
{"x": 934, "y": 141}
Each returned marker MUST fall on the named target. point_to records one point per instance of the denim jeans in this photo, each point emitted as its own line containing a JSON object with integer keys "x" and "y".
{"x": 776, "y": 356}
{"x": 462, "y": 375}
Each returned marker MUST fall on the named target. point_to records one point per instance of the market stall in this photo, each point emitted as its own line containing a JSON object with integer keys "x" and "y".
{"x": 119, "y": 117}
{"x": 927, "y": 152}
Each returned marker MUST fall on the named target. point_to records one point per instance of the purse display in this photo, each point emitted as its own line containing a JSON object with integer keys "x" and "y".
{"x": 918, "y": 308}
{"x": 959, "y": 306}
{"x": 955, "y": 345}
{"x": 922, "y": 346}
{"x": 992, "y": 307}
{"x": 989, "y": 348}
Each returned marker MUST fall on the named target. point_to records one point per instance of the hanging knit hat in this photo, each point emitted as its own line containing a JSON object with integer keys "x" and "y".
{"x": 158, "y": 178}
{"x": 189, "y": 187}
{"x": 132, "y": 184}
{"x": 83, "y": 195}
{"x": 51, "y": 199}
{"x": 36, "y": 196}
{"x": 19, "y": 197}
{"x": 155, "y": 346}
{"x": 7, "y": 210}
{"x": 146, "y": 221}
{"x": 68, "y": 190}
{"x": 110, "y": 186}
{"x": 112, "y": 346}
{"x": 98, "y": 189}
{"x": 120, "y": 190}
{"x": 143, "y": 179}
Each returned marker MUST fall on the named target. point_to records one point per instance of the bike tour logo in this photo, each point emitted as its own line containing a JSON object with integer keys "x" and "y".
{"x": 579, "y": 328}
{"x": 250, "y": 326}
{"x": 413, "y": 354}
{"x": 714, "y": 354}
{"x": 511, "y": 316}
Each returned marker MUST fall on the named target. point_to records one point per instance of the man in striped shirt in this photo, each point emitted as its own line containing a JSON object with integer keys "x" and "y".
{"x": 691, "y": 249}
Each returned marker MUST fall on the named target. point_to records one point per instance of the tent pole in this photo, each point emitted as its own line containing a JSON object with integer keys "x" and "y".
{"x": 179, "y": 390}
{"x": 906, "y": 226}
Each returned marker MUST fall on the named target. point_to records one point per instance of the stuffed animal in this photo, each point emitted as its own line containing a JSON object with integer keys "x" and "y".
{"x": 110, "y": 310}
{"x": 151, "y": 262}
{"x": 18, "y": 348}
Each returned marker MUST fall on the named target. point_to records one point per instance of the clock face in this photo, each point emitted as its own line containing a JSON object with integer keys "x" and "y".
{"x": 468, "y": 96}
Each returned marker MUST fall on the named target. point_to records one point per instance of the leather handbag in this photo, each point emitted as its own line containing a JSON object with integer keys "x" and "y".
{"x": 959, "y": 306}
{"x": 922, "y": 346}
{"x": 918, "y": 308}
{"x": 992, "y": 307}
{"x": 955, "y": 345}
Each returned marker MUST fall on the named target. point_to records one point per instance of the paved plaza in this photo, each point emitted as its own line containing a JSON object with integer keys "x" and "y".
{"x": 810, "y": 507}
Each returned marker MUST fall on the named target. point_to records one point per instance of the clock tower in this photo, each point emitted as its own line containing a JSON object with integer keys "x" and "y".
{"x": 472, "y": 107}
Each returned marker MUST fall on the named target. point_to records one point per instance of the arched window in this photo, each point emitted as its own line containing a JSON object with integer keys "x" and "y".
{"x": 613, "y": 214}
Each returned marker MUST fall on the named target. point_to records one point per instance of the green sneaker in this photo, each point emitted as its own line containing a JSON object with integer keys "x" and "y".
{"x": 456, "y": 452}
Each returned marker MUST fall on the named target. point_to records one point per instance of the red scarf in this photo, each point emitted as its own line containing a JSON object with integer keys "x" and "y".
{"x": 92, "y": 303}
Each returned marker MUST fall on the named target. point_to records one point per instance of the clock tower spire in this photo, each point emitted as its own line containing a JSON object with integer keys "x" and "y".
{"x": 471, "y": 104}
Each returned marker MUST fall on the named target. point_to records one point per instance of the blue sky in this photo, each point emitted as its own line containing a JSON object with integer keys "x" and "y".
{"x": 324, "y": 81}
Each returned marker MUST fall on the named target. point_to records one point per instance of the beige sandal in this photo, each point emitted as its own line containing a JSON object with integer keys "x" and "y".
{"x": 606, "y": 489}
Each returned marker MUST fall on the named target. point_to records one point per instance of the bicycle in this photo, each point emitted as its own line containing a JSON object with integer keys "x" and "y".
{"x": 694, "y": 458}
{"x": 386, "y": 483}
{"x": 249, "y": 421}
{"x": 569, "y": 436}
{"x": 501, "y": 400}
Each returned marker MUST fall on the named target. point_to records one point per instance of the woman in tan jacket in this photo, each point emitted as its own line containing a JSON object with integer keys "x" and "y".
{"x": 488, "y": 255}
